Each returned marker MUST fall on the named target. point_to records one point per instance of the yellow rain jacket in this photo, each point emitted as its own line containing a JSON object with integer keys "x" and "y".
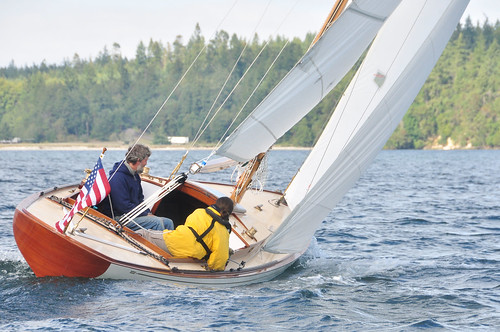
{"x": 182, "y": 243}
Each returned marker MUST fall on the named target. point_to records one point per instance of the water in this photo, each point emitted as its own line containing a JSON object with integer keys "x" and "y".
{"x": 413, "y": 246}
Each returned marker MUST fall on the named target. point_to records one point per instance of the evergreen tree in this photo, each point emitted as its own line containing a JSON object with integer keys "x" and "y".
{"x": 110, "y": 97}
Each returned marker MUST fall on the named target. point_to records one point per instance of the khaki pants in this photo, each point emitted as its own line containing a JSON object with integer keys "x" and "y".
{"x": 155, "y": 237}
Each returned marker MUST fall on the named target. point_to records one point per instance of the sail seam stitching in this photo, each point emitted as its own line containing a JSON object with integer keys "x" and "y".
{"x": 264, "y": 126}
{"x": 358, "y": 10}
{"x": 320, "y": 77}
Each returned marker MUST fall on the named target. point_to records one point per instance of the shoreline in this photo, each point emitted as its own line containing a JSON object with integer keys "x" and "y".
{"x": 98, "y": 146}
{"x": 110, "y": 146}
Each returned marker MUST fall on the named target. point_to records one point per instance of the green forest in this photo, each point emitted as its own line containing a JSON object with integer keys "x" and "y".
{"x": 112, "y": 98}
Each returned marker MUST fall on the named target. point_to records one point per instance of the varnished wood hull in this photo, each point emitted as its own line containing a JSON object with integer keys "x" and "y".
{"x": 49, "y": 253}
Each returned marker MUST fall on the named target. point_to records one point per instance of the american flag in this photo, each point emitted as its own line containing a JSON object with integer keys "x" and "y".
{"x": 96, "y": 188}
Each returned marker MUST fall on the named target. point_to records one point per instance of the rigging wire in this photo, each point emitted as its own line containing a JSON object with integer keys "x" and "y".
{"x": 232, "y": 91}
{"x": 176, "y": 86}
{"x": 244, "y": 75}
{"x": 200, "y": 132}
{"x": 251, "y": 95}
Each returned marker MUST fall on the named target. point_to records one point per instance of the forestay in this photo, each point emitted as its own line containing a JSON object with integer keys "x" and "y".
{"x": 395, "y": 68}
{"x": 316, "y": 74}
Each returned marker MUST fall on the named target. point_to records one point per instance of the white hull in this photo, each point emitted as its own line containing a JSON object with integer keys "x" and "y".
{"x": 238, "y": 279}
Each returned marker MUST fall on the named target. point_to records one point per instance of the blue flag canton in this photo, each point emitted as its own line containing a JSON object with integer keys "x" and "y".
{"x": 91, "y": 179}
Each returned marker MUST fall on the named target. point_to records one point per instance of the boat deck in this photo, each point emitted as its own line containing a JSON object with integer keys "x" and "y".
{"x": 255, "y": 218}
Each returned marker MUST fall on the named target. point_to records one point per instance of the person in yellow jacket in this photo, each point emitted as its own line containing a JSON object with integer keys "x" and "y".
{"x": 205, "y": 235}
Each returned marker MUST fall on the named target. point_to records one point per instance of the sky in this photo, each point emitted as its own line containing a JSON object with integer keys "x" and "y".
{"x": 33, "y": 31}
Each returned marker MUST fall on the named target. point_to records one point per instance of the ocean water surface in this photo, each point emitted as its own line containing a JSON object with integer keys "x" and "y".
{"x": 414, "y": 245}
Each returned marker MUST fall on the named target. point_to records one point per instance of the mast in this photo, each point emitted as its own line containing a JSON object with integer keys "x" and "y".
{"x": 337, "y": 9}
{"x": 246, "y": 178}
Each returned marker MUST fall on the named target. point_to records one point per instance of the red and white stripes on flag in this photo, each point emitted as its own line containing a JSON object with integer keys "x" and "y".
{"x": 96, "y": 188}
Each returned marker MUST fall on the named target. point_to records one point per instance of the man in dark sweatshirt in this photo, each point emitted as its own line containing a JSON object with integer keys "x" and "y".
{"x": 126, "y": 191}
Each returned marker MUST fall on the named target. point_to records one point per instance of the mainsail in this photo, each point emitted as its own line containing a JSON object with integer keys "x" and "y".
{"x": 316, "y": 74}
{"x": 394, "y": 70}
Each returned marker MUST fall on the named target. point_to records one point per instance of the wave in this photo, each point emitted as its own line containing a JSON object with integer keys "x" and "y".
{"x": 494, "y": 218}
{"x": 13, "y": 266}
{"x": 415, "y": 221}
{"x": 427, "y": 324}
{"x": 9, "y": 208}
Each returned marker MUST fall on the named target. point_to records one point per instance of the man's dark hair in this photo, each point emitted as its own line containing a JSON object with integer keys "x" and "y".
{"x": 137, "y": 153}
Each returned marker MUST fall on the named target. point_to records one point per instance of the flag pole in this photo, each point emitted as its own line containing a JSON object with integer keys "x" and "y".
{"x": 78, "y": 223}
{"x": 88, "y": 207}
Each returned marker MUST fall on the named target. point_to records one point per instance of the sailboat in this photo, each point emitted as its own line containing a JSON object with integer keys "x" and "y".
{"x": 400, "y": 42}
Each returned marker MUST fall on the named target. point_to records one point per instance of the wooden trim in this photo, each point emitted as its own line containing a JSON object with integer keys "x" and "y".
{"x": 246, "y": 178}
{"x": 337, "y": 9}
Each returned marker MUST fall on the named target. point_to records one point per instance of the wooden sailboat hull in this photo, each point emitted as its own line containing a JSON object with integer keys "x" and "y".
{"x": 49, "y": 253}
{"x": 106, "y": 255}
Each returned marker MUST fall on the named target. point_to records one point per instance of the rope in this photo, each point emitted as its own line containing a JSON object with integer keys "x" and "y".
{"x": 260, "y": 175}
{"x": 152, "y": 199}
{"x": 119, "y": 231}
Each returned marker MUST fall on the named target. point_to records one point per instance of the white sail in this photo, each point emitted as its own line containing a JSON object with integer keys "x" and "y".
{"x": 395, "y": 68}
{"x": 316, "y": 74}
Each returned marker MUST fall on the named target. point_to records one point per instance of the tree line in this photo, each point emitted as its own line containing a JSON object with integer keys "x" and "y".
{"x": 112, "y": 98}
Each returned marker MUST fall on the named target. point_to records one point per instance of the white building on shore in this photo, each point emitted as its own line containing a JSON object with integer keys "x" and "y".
{"x": 178, "y": 139}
